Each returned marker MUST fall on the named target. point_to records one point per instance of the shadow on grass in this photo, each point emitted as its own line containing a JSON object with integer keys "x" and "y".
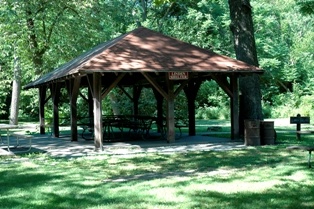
{"x": 282, "y": 196}
{"x": 255, "y": 177}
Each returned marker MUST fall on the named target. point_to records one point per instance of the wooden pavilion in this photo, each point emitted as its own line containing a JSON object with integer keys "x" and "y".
{"x": 141, "y": 58}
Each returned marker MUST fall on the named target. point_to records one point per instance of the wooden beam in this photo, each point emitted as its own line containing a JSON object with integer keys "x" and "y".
{"x": 155, "y": 85}
{"x": 223, "y": 83}
{"x": 47, "y": 99}
{"x": 112, "y": 85}
{"x": 75, "y": 88}
{"x": 181, "y": 87}
{"x": 125, "y": 92}
{"x": 83, "y": 97}
{"x": 90, "y": 83}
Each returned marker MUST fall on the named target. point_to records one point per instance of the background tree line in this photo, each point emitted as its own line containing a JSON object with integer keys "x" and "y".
{"x": 44, "y": 34}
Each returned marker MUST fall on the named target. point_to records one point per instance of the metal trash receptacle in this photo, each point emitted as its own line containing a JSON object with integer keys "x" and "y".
{"x": 252, "y": 133}
{"x": 268, "y": 134}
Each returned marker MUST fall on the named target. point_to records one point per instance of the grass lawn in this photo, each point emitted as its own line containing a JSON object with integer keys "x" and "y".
{"x": 254, "y": 177}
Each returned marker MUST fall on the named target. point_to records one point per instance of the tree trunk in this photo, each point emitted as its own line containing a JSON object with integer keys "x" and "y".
{"x": 245, "y": 48}
{"x": 16, "y": 89}
{"x": 114, "y": 104}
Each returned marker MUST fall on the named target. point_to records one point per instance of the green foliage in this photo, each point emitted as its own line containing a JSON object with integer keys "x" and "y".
{"x": 213, "y": 112}
{"x": 46, "y": 34}
{"x": 286, "y": 53}
{"x": 291, "y": 104}
{"x": 306, "y": 6}
{"x": 147, "y": 103}
{"x": 212, "y": 102}
{"x": 204, "y": 24}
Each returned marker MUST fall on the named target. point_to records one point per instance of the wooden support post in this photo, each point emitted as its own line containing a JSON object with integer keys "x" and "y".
{"x": 159, "y": 121}
{"x": 55, "y": 93}
{"x": 235, "y": 128}
{"x": 298, "y": 127}
{"x": 232, "y": 90}
{"x": 90, "y": 107}
{"x": 309, "y": 160}
{"x": 190, "y": 92}
{"x": 298, "y": 121}
{"x": 170, "y": 103}
{"x": 73, "y": 89}
{"x": 42, "y": 98}
{"x": 98, "y": 137}
{"x": 170, "y": 112}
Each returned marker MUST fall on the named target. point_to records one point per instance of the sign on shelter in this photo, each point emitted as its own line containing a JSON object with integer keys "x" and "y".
{"x": 178, "y": 75}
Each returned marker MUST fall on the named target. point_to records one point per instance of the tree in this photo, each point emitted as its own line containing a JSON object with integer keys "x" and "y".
{"x": 16, "y": 89}
{"x": 306, "y": 6}
{"x": 48, "y": 34}
{"x": 245, "y": 48}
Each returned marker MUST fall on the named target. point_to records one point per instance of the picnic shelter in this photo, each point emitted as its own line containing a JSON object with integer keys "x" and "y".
{"x": 141, "y": 58}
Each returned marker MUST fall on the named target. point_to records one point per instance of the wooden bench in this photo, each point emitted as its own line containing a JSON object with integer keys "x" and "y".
{"x": 18, "y": 138}
{"x": 141, "y": 125}
{"x": 305, "y": 132}
{"x": 181, "y": 123}
{"x": 88, "y": 132}
{"x": 304, "y": 148}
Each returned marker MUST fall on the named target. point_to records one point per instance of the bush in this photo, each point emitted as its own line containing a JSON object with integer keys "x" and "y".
{"x": 206, "y": 112}
{"x": 291, "y": 104}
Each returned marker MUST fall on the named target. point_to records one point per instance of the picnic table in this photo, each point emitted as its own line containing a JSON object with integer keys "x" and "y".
{"x": 138, "y": 125}
{"x": 8, "y": 128}
{"x": 310, "y": 149}
{"x": 127, "y": 126}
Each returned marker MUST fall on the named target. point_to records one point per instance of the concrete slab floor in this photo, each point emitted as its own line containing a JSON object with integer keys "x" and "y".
{"x": 63, "y": 147}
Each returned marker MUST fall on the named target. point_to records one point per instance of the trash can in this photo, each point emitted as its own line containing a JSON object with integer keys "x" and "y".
{"x": 268, "y": 134}
{"x": 252, "y": 133}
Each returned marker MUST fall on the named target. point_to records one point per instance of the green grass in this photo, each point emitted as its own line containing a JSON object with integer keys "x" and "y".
{"x": 264, "y": 177}
{"x": 254, "y": 177}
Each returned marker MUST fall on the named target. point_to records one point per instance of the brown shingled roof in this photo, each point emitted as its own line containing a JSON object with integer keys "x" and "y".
{"x": 149, "y": 51}
{"x": 146, "y": 50}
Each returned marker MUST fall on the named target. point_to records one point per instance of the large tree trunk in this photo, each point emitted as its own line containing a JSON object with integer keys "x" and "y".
{"x": 16, "y": 89}
{"x": 245, "y": 48}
